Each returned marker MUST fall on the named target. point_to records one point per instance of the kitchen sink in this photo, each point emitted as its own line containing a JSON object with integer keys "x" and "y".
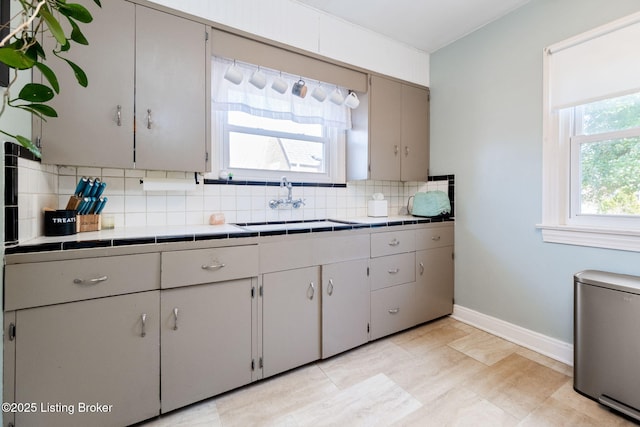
{"x": 295, "y": 226}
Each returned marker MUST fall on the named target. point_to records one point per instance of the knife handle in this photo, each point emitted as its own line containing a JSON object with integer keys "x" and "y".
{"x": 80, "y": 187}
{"x": 100, "y": 207}
{"x": 100, "y": 189}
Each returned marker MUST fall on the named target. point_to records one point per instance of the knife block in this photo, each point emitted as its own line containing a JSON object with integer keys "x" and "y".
{"x": 88, "y": 223}
{"x": 73, "y": 203}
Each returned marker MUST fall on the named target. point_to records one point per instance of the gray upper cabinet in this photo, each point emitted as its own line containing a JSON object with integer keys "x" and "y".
{"x": 159, "y": 57}
{"x": 95, "y": 124}
{"x": 172, "y": 59}
{"x": 414, "y": 134}
{"x": 398, "y": 131}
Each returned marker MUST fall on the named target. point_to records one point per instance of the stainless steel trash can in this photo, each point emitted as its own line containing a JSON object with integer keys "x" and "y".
{"x": 606, "y": 359}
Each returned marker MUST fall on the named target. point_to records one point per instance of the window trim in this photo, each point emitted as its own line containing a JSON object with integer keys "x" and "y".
{"x": 556, "y": 226}
{"x": 335, "y": 172}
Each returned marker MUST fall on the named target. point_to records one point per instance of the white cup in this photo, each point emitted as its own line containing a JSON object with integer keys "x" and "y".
{"x": 319, "y": 94}
{"x": 258, "y": 79}
{"x": 352, "y": 100}
{"x": 279, "y": 85}
{"x": 234, "y": 75}
{"x": 336, "y": 97}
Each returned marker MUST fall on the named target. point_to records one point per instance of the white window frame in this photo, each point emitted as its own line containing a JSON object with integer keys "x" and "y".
{"x": 335, "y": 160}
{"x": 558, "y": 224}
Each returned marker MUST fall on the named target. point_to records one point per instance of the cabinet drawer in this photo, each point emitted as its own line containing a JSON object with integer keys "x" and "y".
{"x": 434, "y": 237}
{"x": 192, "y": 267}
{"x": 44, "y": 283}
{"x": 392, "y": 310}
{"x": 393, "y": 270}
{"x": 392, "y": 242}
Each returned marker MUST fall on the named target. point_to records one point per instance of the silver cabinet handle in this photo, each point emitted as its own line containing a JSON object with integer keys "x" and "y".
{"x": 394, "y": 310}
{"x": 144, "y": 324}
{"x": 406, "y": 150}
{"x": 213, "y": 267}
{"x": 149, "y": 121}
{"x": 91, "y": 281}
{"x": 330, "y": 287}
{"x": 394, "y": 242}
{"x": 119, "y": 115}
{"x": 175, "y": 318}
{"x": 435, "y": 238}
{"x": 421, "y": 268}
{"x": 394, "y": 271}
{"x": 311, "y": 290}
{"x": 396, "y": 150}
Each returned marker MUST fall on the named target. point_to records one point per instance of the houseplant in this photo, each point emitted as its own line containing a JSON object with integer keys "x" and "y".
{"x": 20, "y": 49}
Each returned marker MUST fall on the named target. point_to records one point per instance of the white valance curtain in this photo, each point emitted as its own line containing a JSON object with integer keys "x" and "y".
{"x": 267, "y": 102}
{"x": 600, "y": 64}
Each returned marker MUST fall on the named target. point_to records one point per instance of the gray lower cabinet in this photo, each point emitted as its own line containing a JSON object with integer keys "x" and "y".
{"x": 206, "y": 336}
{"x": 434, "y": 283}
{"x": 345, "y": 306}
{"x": 434, "y": 272}
{"x": 93, "y": 362}
{"x": 291, "y": 325}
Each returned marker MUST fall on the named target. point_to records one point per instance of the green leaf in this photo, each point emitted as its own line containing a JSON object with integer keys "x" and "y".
{"x": 36, "y": 92}
{"x": 42, "y": 109}
{"x": 54, "y": 26}
{"x": 35, "y": 50}
{"x": 26, "y": 143}
{"x": 76, "y": 34}
{"x": 97, "y": 2}
{"x": 81, "y": 76}
{"x": 65, "y": 47}
{"x": 76, "y": 11}
{"x": 15, "y": 58}
{"x": 49, "y": 75}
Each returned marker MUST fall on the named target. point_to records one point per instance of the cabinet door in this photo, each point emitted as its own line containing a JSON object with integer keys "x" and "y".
{"x": 171, "y": 89}
{"x": 415, "y": 133}
{"x": 91, "y": 351}
{"x": 345, "y": 306}
{"x": 291, "y": 319}
{"x": 384, "y": 129}
{"x": 434, "y": 283}
{"x": 89, "y": 131}
{"x": 206, "y": 341}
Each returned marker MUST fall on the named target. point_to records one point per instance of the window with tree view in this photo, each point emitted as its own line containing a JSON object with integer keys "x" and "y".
{"x": 605, "y": 158}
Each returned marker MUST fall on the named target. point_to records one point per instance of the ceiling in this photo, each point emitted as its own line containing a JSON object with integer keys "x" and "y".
{"x": 424, "y": 24}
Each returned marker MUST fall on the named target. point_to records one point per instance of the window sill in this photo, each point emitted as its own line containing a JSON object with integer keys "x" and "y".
{"x": 624, "y": 240}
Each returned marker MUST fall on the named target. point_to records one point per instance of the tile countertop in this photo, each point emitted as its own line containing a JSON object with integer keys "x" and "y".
{"x": 184, "y": 233}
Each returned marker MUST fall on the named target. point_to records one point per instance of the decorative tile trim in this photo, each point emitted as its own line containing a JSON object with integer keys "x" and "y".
{"x": 270, "y": 183}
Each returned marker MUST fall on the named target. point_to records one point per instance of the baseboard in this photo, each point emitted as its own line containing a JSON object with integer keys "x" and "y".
{"x": 550, "y": 347}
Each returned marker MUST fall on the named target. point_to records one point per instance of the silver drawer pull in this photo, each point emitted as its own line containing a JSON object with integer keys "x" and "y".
{"x": 144, "y": 324}
{"x": 394, "y": 310}
{"x": 330, "y": 287}
{"x": 394, "y": 271}
{"x": 421, "y": 268}
{"x": 394, "y": 242}
{"x": 90, "y": 281}
{"x": 311, "y": 290}
{"x": 213, "y": 267}
{"x": 435, "y": 238}
{"x": 175, "y": 319}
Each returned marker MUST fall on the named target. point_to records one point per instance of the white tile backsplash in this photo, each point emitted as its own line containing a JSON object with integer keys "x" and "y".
{"x": 45, "y": 186}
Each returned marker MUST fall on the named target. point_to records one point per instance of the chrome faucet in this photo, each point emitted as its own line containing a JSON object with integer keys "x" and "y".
{"x": 284, "y": 183}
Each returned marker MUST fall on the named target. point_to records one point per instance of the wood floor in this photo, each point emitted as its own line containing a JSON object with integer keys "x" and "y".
{"x": 443, "y": 373}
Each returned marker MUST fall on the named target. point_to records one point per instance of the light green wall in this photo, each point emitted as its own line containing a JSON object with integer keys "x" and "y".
{"x": 486, "y": 128}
